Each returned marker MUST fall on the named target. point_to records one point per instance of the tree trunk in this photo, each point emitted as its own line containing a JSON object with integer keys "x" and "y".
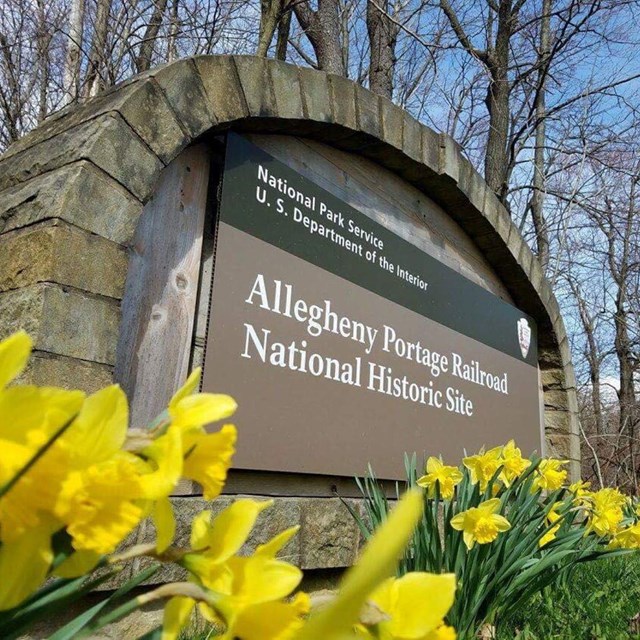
{"x": 322, "y": 27}
{"x": 143, "y": 61}
{"x": 94, "y": 81}
{"x": 71, "y": 74}
{"x": 624, "y": 354}
{"x": 383, "y": 35}
{"x": 43, "y": 42}
{"x": 592, "y": 355}
{"x": 497, "y": 101}
{"x": 269, "y": 15}
{"x": 537, "y": 199}
{"x": 621, "y": 256}
{"x": 172, "y": 46}
{"x": 10, "y": 104}
{"x": 284, "y": 28}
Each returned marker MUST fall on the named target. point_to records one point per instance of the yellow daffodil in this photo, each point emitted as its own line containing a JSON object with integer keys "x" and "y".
{"x": 67, "y": 463}
{"x": 481, "y": 524}
{"x": 32, "y": 469}
{"x": 207, "y": 456}
{"x": 627, "y": 538}
{"x": 483, "y": 466}
{"x": 552, "y": 517}
{"x": 446, "y": 476}
{"x": 605, "y": 511}
{"x": 581, "y": 492}
{"x": 30, "y": 417}
{"x": 579, "y": 488}
{"x": 549, "y": 475}
{"x": 248, "y": 589}
{"x": 403, "y": 601}
{"x": 108, "y": 491}
{"x": 257, "y": 589}
{"x": 189, "y": 410}
{"x": 512, "y": 462}
{"x": 377, "y": 562}
{"x": 216, "y": 539}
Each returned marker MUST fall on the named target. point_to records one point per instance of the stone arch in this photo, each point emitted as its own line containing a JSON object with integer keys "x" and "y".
{"x": 74, "y": 187}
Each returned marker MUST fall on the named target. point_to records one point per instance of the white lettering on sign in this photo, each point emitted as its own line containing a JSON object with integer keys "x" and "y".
{"x": 280, "y": 298}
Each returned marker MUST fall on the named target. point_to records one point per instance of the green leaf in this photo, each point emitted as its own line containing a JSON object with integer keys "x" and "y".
{"x": 85, "y": 623}
{"x": 52, "y": 598}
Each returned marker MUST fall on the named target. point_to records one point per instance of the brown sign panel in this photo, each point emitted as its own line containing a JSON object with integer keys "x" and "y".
{"x": 346, "y": 345}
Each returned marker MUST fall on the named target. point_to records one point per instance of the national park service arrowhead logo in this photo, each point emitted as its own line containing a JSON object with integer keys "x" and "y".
{"x": 524, "y": 336}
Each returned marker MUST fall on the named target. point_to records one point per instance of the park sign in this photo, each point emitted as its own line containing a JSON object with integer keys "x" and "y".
{"x": 345, "y": 344}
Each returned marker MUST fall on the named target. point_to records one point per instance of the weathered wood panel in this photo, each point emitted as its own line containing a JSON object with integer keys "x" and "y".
{"x": 161, "y": 291}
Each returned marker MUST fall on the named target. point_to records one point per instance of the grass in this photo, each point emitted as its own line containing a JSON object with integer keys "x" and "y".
{"x": 596, "y": 603}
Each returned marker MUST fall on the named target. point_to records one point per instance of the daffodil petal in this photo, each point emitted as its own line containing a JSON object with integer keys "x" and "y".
{"x": 78, "y": 564}
{"x": 203, "y": 408}
{"x": 100, "y": 429}
{"x": 273, "y": 620}
{"x": 271, "y": 548}
{"x": 33, "y": 414}
{"x": 421, "y": 602}
{"x": 189, "y": 387}
{"x": 165, "y": 523}
{"x": 269, "y": 580}
{"x": 228, "y": 531}
{"x": 501, "y": 523}
{"x": 176, "y": 616}
{"x": 14, "y": 355}
{"x": 24, "y": 564}
{"x": 166, "y": 452}
{"x": 469, "y": 540}
{"x": 457, "y": 522}
{"x": 199, "y": 529}
{"x": 492, "y": 505}
{"x": 209, "y": 458}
